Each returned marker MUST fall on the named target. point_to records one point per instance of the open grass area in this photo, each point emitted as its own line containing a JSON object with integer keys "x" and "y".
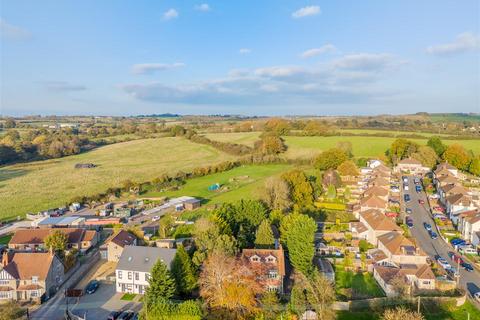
{"x": 356, "y": 285}
{"x": 5, "y": 239}
{"x": 239, "y": 183}
{"x": 40, "y": 185}
{"x": 128, "y": 297}
{"x": 306, "y": 147}
{"x": 396, "y": 133}
{"x": 246, "y": 138}
{"x": 442, "y": 312}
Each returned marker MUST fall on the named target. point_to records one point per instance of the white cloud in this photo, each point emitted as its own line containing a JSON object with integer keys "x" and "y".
{"x": 148, "y": 68}
{"x": 318, "y": 51}
{"x": 170, "y": 14}
{"x": 464, "y": 42}
{"x": 306, "y": 11}
{"x": 63, "y": 86}
{"x": 245, "y": 51}
{"x": 366, "y": 62}
{"x": 203, "y": 7}
{"x": 348, "y": 79}
{"x": 9, "y": 31}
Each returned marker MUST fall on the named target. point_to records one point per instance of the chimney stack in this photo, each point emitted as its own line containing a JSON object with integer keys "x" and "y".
{"x": 5, "y": 259}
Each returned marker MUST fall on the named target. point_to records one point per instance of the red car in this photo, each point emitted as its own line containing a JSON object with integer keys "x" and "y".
{"x": 455, "y": 257}
{"x": 421, "y": 201}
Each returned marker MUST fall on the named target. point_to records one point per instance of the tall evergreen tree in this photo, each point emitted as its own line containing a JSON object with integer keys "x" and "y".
{"x": 184, "y": 272}
{"x": 264, "y": 236}
{"x": 161, "y": 284}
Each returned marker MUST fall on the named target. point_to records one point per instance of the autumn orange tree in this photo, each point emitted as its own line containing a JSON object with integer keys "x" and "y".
{"x": 229, "y": 287}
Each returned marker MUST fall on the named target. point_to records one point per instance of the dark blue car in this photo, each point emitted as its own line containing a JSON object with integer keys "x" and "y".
{"x": 92, "y": 287}
{"x": 467, "y": 266}
{"x": 432, "y": 234}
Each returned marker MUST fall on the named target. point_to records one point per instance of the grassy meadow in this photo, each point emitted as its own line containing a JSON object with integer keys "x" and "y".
{"x": 239, "y": 183}
{"x": 40, "y": 185}
{"x": 246, "y": 138}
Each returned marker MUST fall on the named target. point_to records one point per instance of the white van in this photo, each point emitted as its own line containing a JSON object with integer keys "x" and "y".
{"x": 468, "y": 250}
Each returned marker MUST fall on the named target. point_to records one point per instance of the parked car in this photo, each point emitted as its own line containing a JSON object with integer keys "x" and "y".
{"x": 427, "y": 226}
{"x": 476, "y": 296}
{"x": 432, "y": 234}
{"x": 408, "y": 211}
{"x": 467, "y": 266}
{"x": 421, "y": 201}
{"x": 452, "y": 272}
{"x": 126, "y": 315}
{"x": 442, "y": 262}
{"x": 113, "y": 315}
{"x": 418, "y": 188}
{"x": 406, "y": 197}
{"x": 92, "y": 287}
{"x": 440, "y": 209}
{"x": 455, "y": 257}
{"x": 405, "y": 187}
{"x": 434, "y": 196}
{"x": 468, "y": 250}
{"x": 457, "y": 242}
{"x": 156, "y": 218}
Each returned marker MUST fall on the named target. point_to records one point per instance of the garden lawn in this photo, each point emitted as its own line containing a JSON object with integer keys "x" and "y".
{"x": 246, "y": 138}
{"x": 41, "y": 185}
{"x": 248, "y": 179}
{"x": 308, "y": 147}
{"x": 362, "y": 285}
{"x": 128, "y": 297}
{"x": 5, "y": 239}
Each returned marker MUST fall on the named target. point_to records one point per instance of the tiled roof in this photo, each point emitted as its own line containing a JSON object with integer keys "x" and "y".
{"x": 122, "y": 238}
{"x": 454, "y": 189}
{"x": 459, "y": 199}
{"x": 373, "y": 202}
{"x": 24, "y": 266}
{"x": 397, "y": 244}
{"x": 89, "y": 235}
{"x": 37, "y": 236}
{"x": 378, "y": 221}
{"x": 263, "y": 253}
{"x": 377, "y": 191}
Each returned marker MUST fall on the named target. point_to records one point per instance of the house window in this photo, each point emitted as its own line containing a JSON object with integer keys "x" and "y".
{"x": 34, "y": 293}
{"x": 34, "y": 279}
{"x": 119, "y": 274}
{"x": 4, "y": 282}
{"x": 426, "y": 282}
{"x": 272, "y": 274}
{"x": 5, "y": 295}
{"x": 129, "y": 275}
{"x": 272, "y": 289}
{"x": 137, "y": 276}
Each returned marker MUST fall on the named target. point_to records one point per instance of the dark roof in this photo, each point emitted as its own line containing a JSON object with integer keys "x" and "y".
{"x": 123, "y": 238}
{"x": 137, "y": 258}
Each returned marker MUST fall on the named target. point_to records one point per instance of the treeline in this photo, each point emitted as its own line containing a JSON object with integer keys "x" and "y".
{"x": 434, "y": 152}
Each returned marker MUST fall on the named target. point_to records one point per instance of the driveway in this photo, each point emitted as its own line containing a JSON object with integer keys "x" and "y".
{"x": 96, "y": 306}
{"x": 421, "y": 214}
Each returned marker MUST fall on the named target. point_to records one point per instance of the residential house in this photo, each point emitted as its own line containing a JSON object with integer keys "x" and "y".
{"x": 30, "y": 276}
{"x": 359, "y": 230}
{"x": 469, "y": 225}
{"x": 419, "y": 276}
{"x": 400, "y": 250}
{"x": 376, "y": 191}
{"x": 411, "y": 165}
{"x": 451, "y": 189}
{"x": 445, "y": 167}
{"x": 442, "y": 181}
{"x": 59, "y": 222}
{"x": 272, "y": 262}
{"x": 458, "y": 203}
{"x": 373, "y": 202}
{"x": 135, "y": 265}
{"x": 377, "y": 225}
{"x": 380, "y": 182}
{"x": 34, "y": 239}
{"x": 115, "y": 244}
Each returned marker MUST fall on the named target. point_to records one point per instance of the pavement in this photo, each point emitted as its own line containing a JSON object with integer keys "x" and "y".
{"x": 421, "y": 214}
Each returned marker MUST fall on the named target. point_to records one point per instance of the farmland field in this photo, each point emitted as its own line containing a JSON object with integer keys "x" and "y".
{"x": 246, "y": 138}
{"x": 40, "y": 185}
{"x": 238, "y": 183}
{"x": 373, "y": 131}
{"x": 305, "y": 147}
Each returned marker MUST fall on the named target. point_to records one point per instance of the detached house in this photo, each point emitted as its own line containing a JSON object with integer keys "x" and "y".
{"x": 377, "y": 224}
{"x": 373, "y": 202}
{"x": 400, "y": 250}
{"x": 469, "y": 225}
{"x": 115, "y": 244}
{"x": 445, "y": 168}
{"x": 272, "y": 262}
{"x": 458, "y": 203}
{"x": 411, "y": 165}
{"x": 135, "y": 265}
{"x": 30, "y": 276}
{"x": 420, "y": 276}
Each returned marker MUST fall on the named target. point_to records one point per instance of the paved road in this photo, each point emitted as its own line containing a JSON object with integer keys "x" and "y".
{"x": 421, "y": 214}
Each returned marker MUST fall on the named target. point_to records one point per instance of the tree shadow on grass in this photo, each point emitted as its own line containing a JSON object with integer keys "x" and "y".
{"x": 7, "y": 174}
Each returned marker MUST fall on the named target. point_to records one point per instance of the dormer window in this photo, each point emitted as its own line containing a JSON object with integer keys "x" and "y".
{"x": 271, "y": 259}
{"x": 34, "y": 279}
{"x": 255, "y": 258}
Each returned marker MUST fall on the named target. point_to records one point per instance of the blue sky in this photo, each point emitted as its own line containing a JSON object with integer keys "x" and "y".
{"x": 239, "y": 57}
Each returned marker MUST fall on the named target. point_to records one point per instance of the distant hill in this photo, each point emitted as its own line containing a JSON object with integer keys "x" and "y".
{"x": 451, "y": 117}
{"x": 162, "y": 115}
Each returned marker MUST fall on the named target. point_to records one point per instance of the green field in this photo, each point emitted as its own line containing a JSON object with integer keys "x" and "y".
{"x": 40, "y": 185}
{"x": 395, "y": 133}
{"x": 239, "y": 183}
{"x": 355, "y": 285}
{"x": 306, "y": 147}
{"x": 247, "y": 138}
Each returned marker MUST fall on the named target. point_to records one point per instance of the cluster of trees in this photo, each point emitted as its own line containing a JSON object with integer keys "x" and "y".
{"x": 40, "y": 144}
{"x": 434, "y": 152}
